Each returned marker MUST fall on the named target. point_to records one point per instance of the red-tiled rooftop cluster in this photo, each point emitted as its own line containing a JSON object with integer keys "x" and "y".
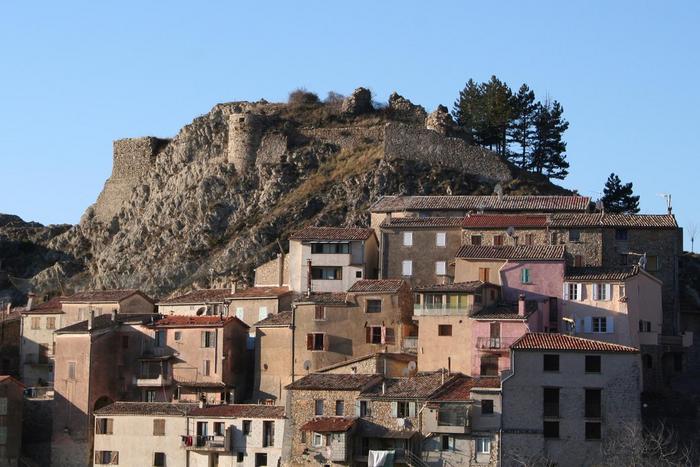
{"x": 519, "y": 252}
{"x": 476, "y": 203}
{"x": 332, "y": 233}
{"x": 555, "y": 341}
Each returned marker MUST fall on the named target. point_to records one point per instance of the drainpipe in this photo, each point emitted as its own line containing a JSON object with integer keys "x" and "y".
{"x": 294, "y": 327}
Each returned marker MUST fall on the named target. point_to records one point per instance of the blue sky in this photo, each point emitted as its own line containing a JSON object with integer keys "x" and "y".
{"x": 74, "y": 76}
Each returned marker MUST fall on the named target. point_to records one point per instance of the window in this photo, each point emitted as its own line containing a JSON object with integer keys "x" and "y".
{"x": 319, "y": 440}
{"x": 621, "y": 234}
{"x": 407, "y": 268}
{"x": 43, "y": 353}
{"x": 260, "y": 459}
{"x": 484, "y": 274}
{"x": 652, "y": 263}
{"x": 573, "y": 291}
{"x": 268, "y": 433}
{"x": 373, "y": 335}
{"x": 440, "y": 268}
{"x": 498, "y": 240}
{"x": 315, "y": 341}
{"x": 373, "y": 306}
{"x": 330, "y": 248}
{"x": 159, "y": 340}
{"x": 36, "y": 323}
{"x": 178, "y": 335}
{"x": 550, "y": 402}
{"x": 489, "y": 365}
{"x": 553, "y": 238}
{"x": 239, "y": 457}
{"x": 71, "y": 370}
{"x": 550, "y": 429}
{"x": 159, "y": 427}
{"x": 363, "y": 408}
{"x": 444, "y": 329}
{"x": 320, "y": 313}
{"x": 600, "y": 324}
{"x": 158, "y": 459}
{"x": 150, "y": 396}
{"x": 644, "y": 326}
{"x": 525, "y": 276}
{"x": 206, "y": 367}
{"x": 483, "y": 445}
{"x": 358, "y": 274}
{"x": 125, "y": 342}
{"x": 107, "y": 457}
{"x": 602, "y": 292}
{"x": 623, "y": 258}
{"x": 339, "y": 407}
{"x": 208, "y": 339}
{"x": 246, "y": 427}
{"x": 529, "y": 239}
{"x": 487, "y": 407}
{"x": 550, "y": 362}
{"x": 262, "y": 313}
{"x": 593, "y": 430}
{"x": 408, "y": 239}
{"x": 327, "y": 273}
{"x": 403, "y": 409}
{"x": 593, "y": 403}
{"x": 104, "y": 426}
{"x": 592, "y": 363}
{"x": 445, "y": 443}
{"x": 574, "y": 235}
{"x": 51, "y": 323}
{"x": 578, "y": 261}
{"x": 218, "y": 428}
{"x": 441, "y": 239}
{"x": 476, "y": 240}
{"x": 622, "y": 291}
{"x": 318, "y": 407}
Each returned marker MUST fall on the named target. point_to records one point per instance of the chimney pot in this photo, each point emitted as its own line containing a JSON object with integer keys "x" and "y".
{"x": 30, "y": 300}
{"x": 234, "y": 286}
{"x": 521, "y": 304}
{"x": 114, "y": 315}
{"x": 91, "y": 317}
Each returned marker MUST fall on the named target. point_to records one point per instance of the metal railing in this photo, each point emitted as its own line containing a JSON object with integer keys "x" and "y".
{"x": 494, "y": 343}
{"x": 410, "y": 343}
{"x": 441, "y": 310}
{"x": 39, "y": 392}
{"x": 205, "y": 442}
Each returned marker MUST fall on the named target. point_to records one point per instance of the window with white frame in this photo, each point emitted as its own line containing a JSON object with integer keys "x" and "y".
{"x": 319, "y": 440}
{"x": 407, "y": 268}
{"x": 440, "y": 268}
{"x": 441, "y": 239}
{"x": 573, "y": 291}
{"x": 599, "y": 323}
{"x": 408, "y": 239}
{"x": 483, "y": 445}
{"x": 602, "y": 292}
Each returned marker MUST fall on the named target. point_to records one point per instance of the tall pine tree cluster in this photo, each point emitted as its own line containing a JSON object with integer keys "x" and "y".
{"x": 515, "y": 125}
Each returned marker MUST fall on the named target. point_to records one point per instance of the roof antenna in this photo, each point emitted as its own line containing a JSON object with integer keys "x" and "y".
{"x": 498, "y": 190}
{"x": 667, "y": 197}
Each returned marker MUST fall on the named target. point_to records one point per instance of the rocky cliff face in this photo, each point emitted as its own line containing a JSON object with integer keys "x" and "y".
{"x": 221, "y": 197}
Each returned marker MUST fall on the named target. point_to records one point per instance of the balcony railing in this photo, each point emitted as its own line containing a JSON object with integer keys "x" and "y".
{"x": 216, "y": 443}
{"x": 494, "y": 343}
{"x": 441, "y": 310}
{"x": 39, "y": 392}
{"x": 152, "y": 380}
{"x": 409, "y": 344}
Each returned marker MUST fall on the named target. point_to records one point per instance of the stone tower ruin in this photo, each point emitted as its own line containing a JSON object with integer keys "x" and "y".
{"x": 245, "y": 131}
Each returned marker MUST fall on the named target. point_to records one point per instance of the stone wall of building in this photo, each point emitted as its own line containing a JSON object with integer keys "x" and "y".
{"x": 346, "y": 137}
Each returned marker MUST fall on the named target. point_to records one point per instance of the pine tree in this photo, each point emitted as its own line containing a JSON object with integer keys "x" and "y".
{"x": 521, "y": 131}
{"x": 498, "y": 113}
{"x": 468, "y": 111}
{"x": 619, "y": 198}
{"x": 548, "y": 156}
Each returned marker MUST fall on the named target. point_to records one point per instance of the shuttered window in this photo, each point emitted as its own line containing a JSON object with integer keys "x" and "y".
{"x": 159, "y": 427}
{"x": 441, "y": 239}
{"x": 408, "y": 239}
{"x": 407, "y": 268}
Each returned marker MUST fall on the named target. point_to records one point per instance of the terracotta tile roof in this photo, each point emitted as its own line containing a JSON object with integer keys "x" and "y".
{"x": 369, "y": 429}
{"x": 502, "y": 311}
{"x": 329, "y": 424}
{"x": 323, "y": 298}
{"x": 420, "y": 386}
{"x": 377, "y": 286}
{"x": 105, "y": 322}
{"x": 487, "y": 203}
{"x": 555, "y": 341}
{"x": 282, "y": 319}
{"x": 102, "y": 296}
{"x": 199, "y": 296}
{"x": 601, "y": 274}
{"x": 260, "y": 292}
{"x": 177, "y": 321}
{"x": 399, "y": 357}
{"x": 332, "y": 233}
{"x": 334, "y": 382}
{"x": 614, "y": 220}
{"x": 146, "y": 408}
{"x": 460, "y": 389}
{"x": 240, "y": 411}
{"x": 11, "y": 379}
{"x": 53, "y": 306}
{"x": 469, "y": 287}
{"x": 504, "y": 221}
{"x": 520, "y": 252}
{"x": 418, "y": 222}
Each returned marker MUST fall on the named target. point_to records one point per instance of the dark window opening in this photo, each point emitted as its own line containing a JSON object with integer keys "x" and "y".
{"x": 593, "y": 403}
{"x": 550, "y": 402}
{"x": 592, "y": 363}
{"x": 550, "y": 429}
{"x": 551, "y": 362}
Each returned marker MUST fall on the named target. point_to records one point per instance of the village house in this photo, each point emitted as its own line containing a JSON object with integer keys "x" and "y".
{"x": 78, "y": 307}
{"x": 419, "y": 249}
{"x": 380, "y": 363}
{"x": 192, "y": 358}
{"x": 10, "y": 341}
{"x": 331, "y": 259}
{"x": 39, "y": 322}
{"x": 11, "y": 408}
{"x": 273, "y": 273}
{"x": 250, "y": 305}
{"x": 565, "y": 396}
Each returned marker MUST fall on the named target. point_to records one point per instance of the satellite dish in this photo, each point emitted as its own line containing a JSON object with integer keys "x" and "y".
{"x": 510, "y": 231}
{"x": 412, "y": 366}
{"x": 307, "y": 365}
{"x": 201, "y": 310}
{"x": 406, "y": 372}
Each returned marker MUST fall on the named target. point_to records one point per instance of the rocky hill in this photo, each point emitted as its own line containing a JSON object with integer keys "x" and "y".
{"x": 224, "y": 194}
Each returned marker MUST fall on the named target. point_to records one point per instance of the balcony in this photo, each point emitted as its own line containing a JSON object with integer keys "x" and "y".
{"x": 149, "y": 381}
{"x": 39, "y": 393}
{"x": 441, "y": 310}
{"x": 496, "y": 344}
{"x": 409, "y": 344}
{"x": 448, "y": 418}
{"x": 211, "y": 443}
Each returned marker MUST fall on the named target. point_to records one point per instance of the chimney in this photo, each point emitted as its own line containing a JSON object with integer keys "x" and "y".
{"x": 383, "y": 387}
{"x": 308, "y": 278}
{"x": 30, "y": 300}
{"x": 114, "y": 314}
{"x": 9, "y": 307}
{"x": 201, "y": 403}
{"x": 90, "y": 319}
{"x": 234, "y": 285}
{"x": 521, "y": 305}
{"x": 280, "y": 269}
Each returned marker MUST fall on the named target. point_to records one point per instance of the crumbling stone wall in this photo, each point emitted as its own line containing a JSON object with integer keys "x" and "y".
{"x": 346, "y": 137}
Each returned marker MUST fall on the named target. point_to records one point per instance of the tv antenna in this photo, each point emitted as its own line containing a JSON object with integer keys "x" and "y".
{"x": 667, "y": 197}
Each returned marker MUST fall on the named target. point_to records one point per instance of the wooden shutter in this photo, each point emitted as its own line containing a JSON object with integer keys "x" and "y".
{"x": 412, "y": 409}
{"x": 110, "y": 426}
{"x": 579, "y": 290}
{"x": 394, "y": 409}
{"x": 98, "y": 457}
{"x": 596, "y": 292}
{"x": 204, "y": 338}
{"x": 368, "y": 334}
{"x": 609, "y": 324}
{"x": 212, "y": 343}
{"x": 309, "y": 342}
{"x": 159, "y": 427}
{"x": 383, "y": 334}
{"x": 608, "y": 291}
{"x": 587, "y": 324}
{"x": 326, "y": 342}
{"x": 358, "y": 410}
{"x": 390, "y": 337}
{"x": 565, "y": 293}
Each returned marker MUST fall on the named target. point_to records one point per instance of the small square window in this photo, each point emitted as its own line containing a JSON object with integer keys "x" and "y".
{"x": 441, "y": 239}
{"x": 407, "y": 268}
{"x": 592, "y": 363}
{"x": 551, "y": 362}
{"x": 483, "y": 445}
{"x": 339, "y": 407}
{"x": 440, "y": 268}
{"x": 445, "y": 443}
{"x": 374, "y": 306}
{"x": 444, "y": 329}
{"x": 318, "y": 407}
{"x": 550, "y": 429}
{"x": 476, "y": 239}
{"x": 260, "y": 459}
{"x": 487, "y": 407}
{"x": 574, "y": 235}
{"x": 158, "y": 459}
{"x": 358, "y": 274}
{"x": 408, "y": 239}
{"x": 593, "y": 430}
{"x": 239, "y": 457}
{"x": 246, "y": 427}
{"x": 178, "y": 335}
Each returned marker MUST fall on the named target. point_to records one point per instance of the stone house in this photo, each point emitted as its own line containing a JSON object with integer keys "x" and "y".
{"x": 274, "y": 360}
{"x": 419, "y": 249}
{"x": 250, "y": 305}
{"x": 505, "y": 229}
{"x": 380, "y": 363}
{"x": 565, "y": 396}
{"x": 274, "y": 273}
{"x": 331, "y": 259}
{"x": 77, "y": 307}
{"x": 37, "y": 342}
{"x": 192, "y": 358}
{"x": 10, "y": 341}
{"x": 11, "y": 407}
